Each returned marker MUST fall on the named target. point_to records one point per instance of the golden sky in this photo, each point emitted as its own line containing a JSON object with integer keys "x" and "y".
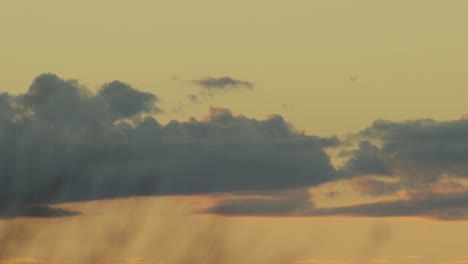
{"x": 330, "y": 67}
{"x": 301, "y": 55}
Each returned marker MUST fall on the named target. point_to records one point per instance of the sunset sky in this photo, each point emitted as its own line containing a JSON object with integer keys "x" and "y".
{"x": 176, "y": 132}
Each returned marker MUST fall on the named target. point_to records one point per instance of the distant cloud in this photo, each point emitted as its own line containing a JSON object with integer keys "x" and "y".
{"x": 222, "y": 83}
{"x": 193, "y": 98}
{"x": 288, "y": 203}
{"x": 436, "y": 206}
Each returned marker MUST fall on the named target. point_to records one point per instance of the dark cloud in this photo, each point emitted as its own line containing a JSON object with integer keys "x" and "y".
{"x": 425, "y": 160}
{"x": 61, "y": 142}
{"x": 418, "y": 152}
{"x": 34, "y": 211}
{"x": 430, "y": 205}
{"x": 222, "y": 83}
{"x": 125, "y": 101}
{"x": 424, "y": 145}
{"x": 367, "y": 159}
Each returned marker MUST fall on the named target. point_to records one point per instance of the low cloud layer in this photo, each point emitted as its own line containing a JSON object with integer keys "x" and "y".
{"x": 287, "y": 203}
{"x": 432, "y": 205}
{"x": 62, "y": 142}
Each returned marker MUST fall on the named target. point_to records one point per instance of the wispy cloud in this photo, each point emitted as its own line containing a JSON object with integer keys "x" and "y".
{"x": 222, "y": 83}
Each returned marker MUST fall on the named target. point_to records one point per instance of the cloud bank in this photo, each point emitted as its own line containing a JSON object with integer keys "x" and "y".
{"x": 61, "y": 142}
{"x": 422, "y": 163}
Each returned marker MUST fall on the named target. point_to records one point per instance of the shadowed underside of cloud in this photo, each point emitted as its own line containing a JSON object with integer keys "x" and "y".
{"x": 222, "y": 83}
{"x": 40, "y": 211}
{"x": 61, "y": 142}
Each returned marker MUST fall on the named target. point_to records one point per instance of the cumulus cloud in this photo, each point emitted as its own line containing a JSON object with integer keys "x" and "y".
{"x": 417, "y": 152}
{"x": 367, "y": 159}
{"x": 222, "y": 83}
{"x": 425, "y": 145}
{"x": 61, "y": 142}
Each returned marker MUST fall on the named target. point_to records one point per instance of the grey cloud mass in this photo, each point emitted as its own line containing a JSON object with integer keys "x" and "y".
{"x": 425, "y": 160}
{"x": 429, "y": 146}
{"x": 222, "y": 83}
{"x": 61, "y": 142}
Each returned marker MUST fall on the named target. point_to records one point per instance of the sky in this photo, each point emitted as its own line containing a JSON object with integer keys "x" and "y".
{"x": 144, "y": 132}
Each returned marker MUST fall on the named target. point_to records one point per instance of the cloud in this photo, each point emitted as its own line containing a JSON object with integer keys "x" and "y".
{"x": 429, "y": 146}
{"x": 288, "y": 203}
{"x": 61, "y": 142}
{"x": 367, "y": 159}
{"x": 431, "y": 205}
{"x": 417, "y": 153}
{"x": 193, "y": 98}
{"x": 222, "y": 83}
{"x": 40, "y": 211}
{"x": 423, "y": 163}
{"x": 125, "y": 101}
{"x": 374, "y": 187}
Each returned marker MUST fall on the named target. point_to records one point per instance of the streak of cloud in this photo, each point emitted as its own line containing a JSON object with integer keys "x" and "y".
{"x": 222, "y": 83}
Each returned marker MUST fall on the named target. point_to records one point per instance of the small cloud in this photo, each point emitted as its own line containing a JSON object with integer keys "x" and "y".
{"x": 193, "y": 98}
{"x": 353, "y": 78}
{"x": 222, "y": 83}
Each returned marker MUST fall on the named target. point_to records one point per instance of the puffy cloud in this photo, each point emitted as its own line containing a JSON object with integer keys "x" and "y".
{"x": 61, "y": 142}
{"x": 426, "y": 145}
{"x": 367, "y": 159}
{"x": 125, "y": 101}
{"x": 222, "y": 83}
